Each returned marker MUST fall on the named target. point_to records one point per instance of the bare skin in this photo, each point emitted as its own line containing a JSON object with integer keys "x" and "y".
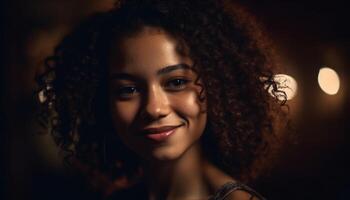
{"x": 153, "y": 86}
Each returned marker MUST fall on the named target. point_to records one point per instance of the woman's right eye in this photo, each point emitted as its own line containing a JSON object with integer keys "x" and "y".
{"x": 126, "y": 92}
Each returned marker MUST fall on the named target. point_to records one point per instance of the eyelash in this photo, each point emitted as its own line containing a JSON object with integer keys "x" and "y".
{"x": 180, "y": 83}
{"x": 175, "y": 85}
{"x": 126, "y": 92}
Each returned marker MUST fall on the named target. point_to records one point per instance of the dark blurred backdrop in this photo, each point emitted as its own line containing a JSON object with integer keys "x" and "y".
{"x": 308, "y": 35}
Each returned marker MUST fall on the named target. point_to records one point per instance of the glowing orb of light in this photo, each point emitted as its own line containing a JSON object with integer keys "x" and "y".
{"x": 328, "y": 81}
{"x": 286, "y": 84}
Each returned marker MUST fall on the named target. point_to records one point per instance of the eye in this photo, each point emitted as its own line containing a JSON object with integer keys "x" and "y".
{"x": 176, "y": 84}
{"x": 126, "y": 92}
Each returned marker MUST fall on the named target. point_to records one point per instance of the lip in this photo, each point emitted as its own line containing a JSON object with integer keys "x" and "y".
{"x": 159, "y": 134}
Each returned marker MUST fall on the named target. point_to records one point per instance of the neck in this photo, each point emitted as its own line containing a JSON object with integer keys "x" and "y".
{"x": 178, "y": 179}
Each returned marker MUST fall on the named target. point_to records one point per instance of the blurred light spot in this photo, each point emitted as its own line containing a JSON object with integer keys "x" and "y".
{"x": 328, "y": 80}
{"x": 42, "y": 97}
{"x": 286, "y": 84}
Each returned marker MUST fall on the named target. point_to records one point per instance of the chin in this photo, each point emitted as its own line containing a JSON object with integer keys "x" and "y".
{"x": 167, "y": 153}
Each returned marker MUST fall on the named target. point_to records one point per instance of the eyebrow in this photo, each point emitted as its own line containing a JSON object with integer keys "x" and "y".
{"x": 171, "y": 68}
{"x": 162, "y": 71}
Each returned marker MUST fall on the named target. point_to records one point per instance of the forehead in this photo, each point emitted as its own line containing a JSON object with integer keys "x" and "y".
{"x": 145, "y": 52}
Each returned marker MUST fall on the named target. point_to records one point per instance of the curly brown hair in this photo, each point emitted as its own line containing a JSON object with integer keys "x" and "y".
{"x": 230, "y": 56}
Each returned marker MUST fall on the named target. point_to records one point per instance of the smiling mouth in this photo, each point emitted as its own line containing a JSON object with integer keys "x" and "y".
{"x": 159, "y": 134}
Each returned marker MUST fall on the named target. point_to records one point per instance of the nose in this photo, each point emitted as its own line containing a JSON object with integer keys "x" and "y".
{"x": 157, "y": 103}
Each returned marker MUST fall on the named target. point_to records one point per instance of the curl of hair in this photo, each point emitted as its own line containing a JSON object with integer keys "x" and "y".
{"x": 231, "y": 58}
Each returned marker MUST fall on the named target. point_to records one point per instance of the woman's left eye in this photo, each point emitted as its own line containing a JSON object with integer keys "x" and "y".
{"x": 176, "y": 84}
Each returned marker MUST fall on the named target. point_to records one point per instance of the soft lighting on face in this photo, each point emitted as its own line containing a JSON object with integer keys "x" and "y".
{"x": 328, "y": 80}
{"x": 286, "y": 84}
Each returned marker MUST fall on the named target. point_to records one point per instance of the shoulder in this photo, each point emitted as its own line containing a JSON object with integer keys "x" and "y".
{"x": 225, "y": 187}
{"x": 236, "y": 191}
{"x": 242, "y": 195}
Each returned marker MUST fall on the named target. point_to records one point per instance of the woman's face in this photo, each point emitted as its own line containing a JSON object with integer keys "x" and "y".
{"x": 153, "y": 96}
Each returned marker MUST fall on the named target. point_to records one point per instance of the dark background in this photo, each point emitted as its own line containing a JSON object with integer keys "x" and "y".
{"x": 307, "y": 35}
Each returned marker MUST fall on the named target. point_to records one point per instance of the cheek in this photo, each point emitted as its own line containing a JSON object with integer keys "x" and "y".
{"x": 188, "y": 105}
{"x": 124, "y": 113}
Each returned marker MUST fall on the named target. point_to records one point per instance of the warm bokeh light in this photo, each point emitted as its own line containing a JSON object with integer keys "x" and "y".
{"x": 286, "y": 84}
{"x": 42, "y": 97}
{"x": 328, "y": 80}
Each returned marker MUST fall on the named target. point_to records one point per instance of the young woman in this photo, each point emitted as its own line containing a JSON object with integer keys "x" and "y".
{"x": 169, "y": 96}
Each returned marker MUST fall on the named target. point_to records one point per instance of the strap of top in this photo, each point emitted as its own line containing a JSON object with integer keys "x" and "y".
{"x": 229, "y": 187}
